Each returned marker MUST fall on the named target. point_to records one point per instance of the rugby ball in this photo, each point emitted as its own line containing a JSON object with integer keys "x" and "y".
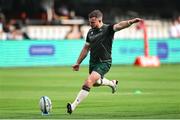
{"x": 45, "y": 105}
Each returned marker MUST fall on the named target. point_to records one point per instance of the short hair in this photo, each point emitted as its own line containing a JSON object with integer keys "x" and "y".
{"x": 96, "y": 13}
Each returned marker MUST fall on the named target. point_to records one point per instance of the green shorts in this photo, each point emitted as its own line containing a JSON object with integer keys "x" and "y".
{"x": 101, "y": 67}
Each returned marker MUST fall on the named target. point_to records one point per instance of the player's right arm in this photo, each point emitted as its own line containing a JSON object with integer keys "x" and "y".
{"x": 81, "y": 57}
{"x": 124, "y": 24}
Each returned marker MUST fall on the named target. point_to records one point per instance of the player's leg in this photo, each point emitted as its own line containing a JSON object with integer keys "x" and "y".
{"x": 91, "y": 80}
{"x": 105, "y": 82}
{"x": 103, "y": 68}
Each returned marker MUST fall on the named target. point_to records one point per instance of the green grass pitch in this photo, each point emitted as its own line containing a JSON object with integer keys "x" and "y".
{"x": 142, "y": 93}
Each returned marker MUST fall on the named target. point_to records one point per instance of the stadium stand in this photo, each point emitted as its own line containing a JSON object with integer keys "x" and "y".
{"x": 156, "y": 29}
{"x": 52, "y": 19}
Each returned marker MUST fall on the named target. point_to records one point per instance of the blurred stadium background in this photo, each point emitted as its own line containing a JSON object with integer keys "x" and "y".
{"x": 41, "y": 39}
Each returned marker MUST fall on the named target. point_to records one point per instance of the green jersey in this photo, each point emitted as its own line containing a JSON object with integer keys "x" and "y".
{"x": 100, "y": 41}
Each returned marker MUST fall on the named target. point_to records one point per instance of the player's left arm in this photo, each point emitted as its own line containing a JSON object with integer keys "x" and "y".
{"x": 124, "y": 24}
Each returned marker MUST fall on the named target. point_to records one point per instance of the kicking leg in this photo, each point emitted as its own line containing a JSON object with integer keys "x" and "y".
{"x": 105, "y": 82}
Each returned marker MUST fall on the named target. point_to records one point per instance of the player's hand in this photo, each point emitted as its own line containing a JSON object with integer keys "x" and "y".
{"x": 136, "y": 20}
{"x": 76, "y": 67}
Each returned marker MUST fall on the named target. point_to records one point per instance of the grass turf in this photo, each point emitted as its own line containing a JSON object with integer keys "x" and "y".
{"x": 142, "y": 93}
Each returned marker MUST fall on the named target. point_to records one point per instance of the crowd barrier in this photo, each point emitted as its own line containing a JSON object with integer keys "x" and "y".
{"x": 65, "y": 52}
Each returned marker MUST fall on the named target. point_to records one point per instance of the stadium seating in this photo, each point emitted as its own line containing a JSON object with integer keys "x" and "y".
{"x": 155, "y": 28}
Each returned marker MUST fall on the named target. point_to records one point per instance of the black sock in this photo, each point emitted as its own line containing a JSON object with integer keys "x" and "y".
{"x": 84, "y": 87}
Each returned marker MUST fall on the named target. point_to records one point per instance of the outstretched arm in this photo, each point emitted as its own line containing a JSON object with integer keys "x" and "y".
{"x": 81, "y": 57}
{"x": 124, "y": 24}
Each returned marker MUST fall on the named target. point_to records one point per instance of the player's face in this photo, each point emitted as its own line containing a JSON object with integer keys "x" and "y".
{"x": 94, "y": 22}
